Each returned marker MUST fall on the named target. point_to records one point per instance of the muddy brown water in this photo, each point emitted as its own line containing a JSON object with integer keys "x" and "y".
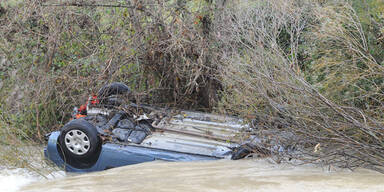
{"x": 222, "y": 175}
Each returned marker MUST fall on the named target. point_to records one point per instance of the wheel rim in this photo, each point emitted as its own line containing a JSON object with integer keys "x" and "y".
{"x": 77, "y": 142}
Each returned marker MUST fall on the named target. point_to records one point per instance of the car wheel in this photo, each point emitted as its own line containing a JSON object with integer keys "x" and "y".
{"x": 115, "y": 88}
{"x": 79, "y": 143}
{"x": 107, "y": 95}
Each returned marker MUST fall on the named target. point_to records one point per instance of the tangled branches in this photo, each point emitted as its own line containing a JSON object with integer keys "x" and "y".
{"x": 261, "y": 78}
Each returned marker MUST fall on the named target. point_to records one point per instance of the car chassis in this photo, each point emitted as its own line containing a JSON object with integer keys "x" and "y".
{"x": 106, "y": 133}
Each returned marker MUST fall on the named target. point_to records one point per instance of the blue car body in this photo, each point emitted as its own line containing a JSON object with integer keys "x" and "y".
{"x": 116, "y": 155}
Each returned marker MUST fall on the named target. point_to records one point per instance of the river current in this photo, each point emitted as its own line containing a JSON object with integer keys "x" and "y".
{"x": 222, "y": 175}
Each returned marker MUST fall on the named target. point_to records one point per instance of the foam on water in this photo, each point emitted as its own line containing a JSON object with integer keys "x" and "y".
{"x": 11, "y": 180}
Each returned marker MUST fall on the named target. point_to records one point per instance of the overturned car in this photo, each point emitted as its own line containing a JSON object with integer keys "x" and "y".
{"x": 111, "y": 131}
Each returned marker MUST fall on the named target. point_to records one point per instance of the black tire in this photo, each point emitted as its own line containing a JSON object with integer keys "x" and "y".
{"x": 82, "y": 159}
{"x": 115, "y": 88}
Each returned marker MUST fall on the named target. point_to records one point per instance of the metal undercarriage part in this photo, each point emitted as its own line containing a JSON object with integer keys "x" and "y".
{"x": 181, "y": 131}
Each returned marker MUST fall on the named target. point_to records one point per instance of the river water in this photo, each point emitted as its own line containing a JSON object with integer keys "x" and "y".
{"x": 223, "y": 175}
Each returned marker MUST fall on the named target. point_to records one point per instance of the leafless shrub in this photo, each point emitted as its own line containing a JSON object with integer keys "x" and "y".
{"x": 352, "y": 75}
{"x": 261, "y": 80}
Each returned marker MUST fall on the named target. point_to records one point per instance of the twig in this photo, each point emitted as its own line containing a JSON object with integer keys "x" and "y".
{"x": 74, "y": 4}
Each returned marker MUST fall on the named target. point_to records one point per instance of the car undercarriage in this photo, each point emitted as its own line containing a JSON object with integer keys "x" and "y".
{"x": 110, "y": 131}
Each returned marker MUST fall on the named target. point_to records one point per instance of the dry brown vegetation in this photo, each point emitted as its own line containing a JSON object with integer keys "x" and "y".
{"x": 294, "y": 66}
{"x": 265, "y": 81}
